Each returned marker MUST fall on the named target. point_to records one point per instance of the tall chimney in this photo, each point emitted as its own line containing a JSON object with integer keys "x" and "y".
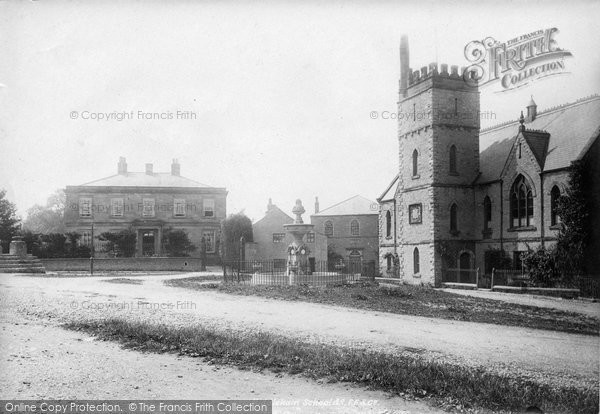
{"x": 122, "y": 166}
{"x": 269, "y": 205}
{"x": 404, "y": 65}
{"x": 316, "y": 205}
{"x": 175, "y": 167}
{"x": 149, "y": 169}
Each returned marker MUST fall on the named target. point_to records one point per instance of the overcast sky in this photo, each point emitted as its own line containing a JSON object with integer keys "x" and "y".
{"x": 282, "y": 92}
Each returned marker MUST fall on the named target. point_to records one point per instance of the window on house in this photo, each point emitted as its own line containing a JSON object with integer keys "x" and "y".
{"x": 388, "y": 224}
{"x": 487, "y": 213}
{"x": 329, "y": 228}
{"x": 454, "y": 218}
{"x": 116, "y": 207}
{"x": 354, "y": 228}
{"x": 521, "y": 203}
{"x": 179, "y": 207}
{"x": 209, "y": 241}
{"x": 416, "y": 264}
{"x": 209, "y": 207}
{"x": 278, "y": 237}
{"x": 554, "y": 196}
{"x": 310, "y": 237}
{"x": 85, "y": 207}
{"x": 415, "y": 163}
{"x": 148, "y": 207}
{"x": 453, "y": 159}
{"x": 388, "y": 262}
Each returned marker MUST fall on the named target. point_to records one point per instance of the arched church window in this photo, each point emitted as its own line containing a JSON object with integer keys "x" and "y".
{"x": 554, "y": 196}
{"x": 388, "y": 224}
{"x": 416, "y": 264}
{"x": 354, "y": 228}
{"x": 521, "y": 203}
{"x": 453, "y": 159}
{"x": 415, "y": 163}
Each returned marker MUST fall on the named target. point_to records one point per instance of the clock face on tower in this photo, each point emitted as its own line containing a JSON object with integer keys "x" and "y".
{"x": 415, "y": 214}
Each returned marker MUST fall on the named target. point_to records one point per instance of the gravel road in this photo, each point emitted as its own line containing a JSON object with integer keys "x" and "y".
{"x": 546, "y": 355}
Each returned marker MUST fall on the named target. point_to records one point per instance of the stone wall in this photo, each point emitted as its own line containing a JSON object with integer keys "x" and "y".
{"x": 127, "y": 264}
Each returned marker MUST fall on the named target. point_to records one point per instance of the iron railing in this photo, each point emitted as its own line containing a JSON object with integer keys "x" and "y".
{"x": 317, "y": 273}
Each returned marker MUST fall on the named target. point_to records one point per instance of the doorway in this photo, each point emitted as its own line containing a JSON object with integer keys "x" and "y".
{"x": 465, "y": 267}
{"x": 148, "y": 243}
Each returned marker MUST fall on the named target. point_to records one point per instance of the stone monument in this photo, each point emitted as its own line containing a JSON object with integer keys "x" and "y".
{"x": 298, "y": 251}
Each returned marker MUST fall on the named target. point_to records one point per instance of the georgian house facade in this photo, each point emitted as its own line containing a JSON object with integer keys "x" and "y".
{"x": 148, "y": 203}
{"x": 452, "y": 206}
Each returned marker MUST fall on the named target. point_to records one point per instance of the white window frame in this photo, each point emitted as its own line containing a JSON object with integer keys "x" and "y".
{"x": 212, "y": 238}
{"x": 208, "y": 205}
{"x": 85, "y": 207}
{"x": 278, "y": 237}
{"x": 179, "y": 207}
{"x": 115, "y": 205}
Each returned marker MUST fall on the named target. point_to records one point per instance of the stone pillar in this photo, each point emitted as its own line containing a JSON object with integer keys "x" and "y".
{"x": 18, "y": 247}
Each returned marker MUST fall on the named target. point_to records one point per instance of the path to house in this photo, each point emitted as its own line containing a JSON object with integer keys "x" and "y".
{"x": 583, "y": 307}
{"x": 546, "y": 355}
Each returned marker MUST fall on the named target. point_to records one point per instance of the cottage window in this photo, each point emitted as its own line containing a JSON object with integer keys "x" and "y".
{"x": 116, "y": 207}
{"x": 148, "y": 207}
{"x": 354, "y": 228}
{"x": 209, "y": 208}
{"x": 179, "y": 207}
{"x": 85, "y": 207}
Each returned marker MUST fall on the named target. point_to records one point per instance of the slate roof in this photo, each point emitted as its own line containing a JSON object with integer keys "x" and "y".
{"x": 572, "y": 128}
{"x": 140, "y": 179}
{"x": 390, "y": 191}
{"x": 353, "y": 206}
{"x": 276, "y": 211}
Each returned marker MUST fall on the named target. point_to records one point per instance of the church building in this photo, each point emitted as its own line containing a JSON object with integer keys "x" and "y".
{"x": 452, "y": 206}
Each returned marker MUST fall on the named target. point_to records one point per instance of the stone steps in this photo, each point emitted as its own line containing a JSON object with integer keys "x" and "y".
{"x": 16, "y": 264}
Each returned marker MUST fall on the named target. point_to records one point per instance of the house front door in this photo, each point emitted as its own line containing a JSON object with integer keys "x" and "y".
{"x": 148, "y": 243}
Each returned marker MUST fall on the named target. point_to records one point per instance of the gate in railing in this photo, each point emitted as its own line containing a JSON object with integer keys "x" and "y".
{"x": 458, "y": 275}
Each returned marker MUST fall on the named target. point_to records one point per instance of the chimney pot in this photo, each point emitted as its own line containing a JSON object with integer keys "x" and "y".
{"x": 316, "y": 205}
{"x": 149, "y": 168}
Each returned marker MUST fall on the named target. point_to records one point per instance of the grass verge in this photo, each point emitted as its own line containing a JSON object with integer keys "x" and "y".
{"x": 446, "y": 384}
{"x": 413, "y": 300}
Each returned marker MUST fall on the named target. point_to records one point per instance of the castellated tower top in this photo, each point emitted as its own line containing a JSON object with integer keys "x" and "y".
{"x": 440, "y": 77}
{"x": 436, "y": 97}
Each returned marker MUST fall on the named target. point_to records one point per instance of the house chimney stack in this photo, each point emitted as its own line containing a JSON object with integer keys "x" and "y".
{"x": 175, "y": 167}
{"x": 269, "y": 205}
{"x": 404, "y": 65}
{"x": 149, "y": 169}
{"x": 122, "y": 166}
{"x": 316, "y": 205}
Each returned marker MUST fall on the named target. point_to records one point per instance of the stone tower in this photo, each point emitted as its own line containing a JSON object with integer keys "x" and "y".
{"x": 438, "y": 134}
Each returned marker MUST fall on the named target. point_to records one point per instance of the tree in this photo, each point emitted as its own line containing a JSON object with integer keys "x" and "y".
{"x": 573, "y": 210}
{"x": 177, "y": 243}
{"x": 122, "y": 243}
{"x": 9, "y": 222}
{"x": 234, "y": 227}
{"x": 541, "y": 266}
{"x": 49, "y": 218}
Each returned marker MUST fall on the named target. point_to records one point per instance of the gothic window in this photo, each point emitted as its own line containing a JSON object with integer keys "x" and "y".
{"x": 329, "y": 228}
{"x": 554, "y": 196}
{"x": 416, "y": 265}
{"x": 354, "y": 228}
{"x": 388, "y": 224}
{"x": 487, "y": 213}
{"x": 415, "y": 163}
{"x": 454, "y": 218}
{"x": 453, "y": 159}
{"x": 521, "y": 203}
{"x": 388, "y": 261}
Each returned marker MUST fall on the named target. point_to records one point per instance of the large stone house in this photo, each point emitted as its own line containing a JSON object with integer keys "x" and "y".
{"x": 271, "y": 241}
{"x": 452, "y": 206}
{"x": 351, "y": 228}
{"x": 149, "y": 203}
